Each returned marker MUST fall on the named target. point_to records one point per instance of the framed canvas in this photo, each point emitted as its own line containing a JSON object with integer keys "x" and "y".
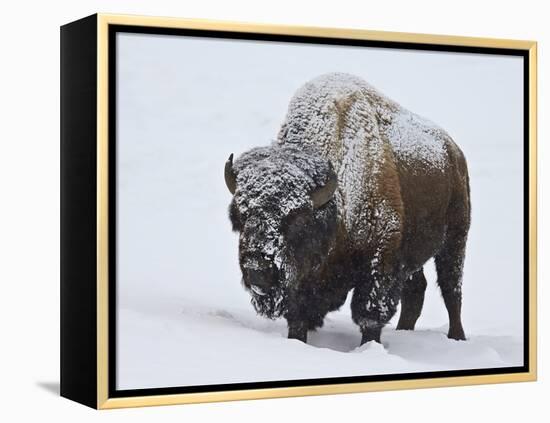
{"x": 257, "y": 211}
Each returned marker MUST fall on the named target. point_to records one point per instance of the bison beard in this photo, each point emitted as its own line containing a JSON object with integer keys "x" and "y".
{"x": 270, "y": 305}
{"x": 356, "y": 193}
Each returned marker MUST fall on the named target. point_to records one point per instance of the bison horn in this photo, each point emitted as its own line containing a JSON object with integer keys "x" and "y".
{"x": 230, "y": 177}
{"x": 322, "y": 195}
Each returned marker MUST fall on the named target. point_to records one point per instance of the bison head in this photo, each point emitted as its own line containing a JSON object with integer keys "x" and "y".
{"x": 284, "y": 210}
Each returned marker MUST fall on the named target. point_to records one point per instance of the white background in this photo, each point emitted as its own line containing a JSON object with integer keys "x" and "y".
{"x": 30, "y": 216}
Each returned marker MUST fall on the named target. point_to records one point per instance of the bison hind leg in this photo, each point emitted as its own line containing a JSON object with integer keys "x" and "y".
{"x": 412, "y": 300}
{"x": 449, "y": 264}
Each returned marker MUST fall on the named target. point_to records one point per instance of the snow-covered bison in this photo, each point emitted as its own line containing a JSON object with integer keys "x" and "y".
{"x": 356, "y": 193}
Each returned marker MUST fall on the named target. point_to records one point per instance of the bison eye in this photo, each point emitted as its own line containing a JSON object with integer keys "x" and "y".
{"x": 296, "y": 220}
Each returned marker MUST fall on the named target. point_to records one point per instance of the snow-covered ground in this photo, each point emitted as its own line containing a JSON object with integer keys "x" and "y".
{"x": 193, "y": 344}
{"x": 186, "y": 104}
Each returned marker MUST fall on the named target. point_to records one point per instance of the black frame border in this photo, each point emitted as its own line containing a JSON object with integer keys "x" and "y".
{"x": 114, "y": 29}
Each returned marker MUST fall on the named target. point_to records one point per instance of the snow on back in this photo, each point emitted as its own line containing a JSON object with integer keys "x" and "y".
{"x": 415, "y": 139}
{"x": 314, "y": 117}
{"x": 339, "y": 105}
{"x": 341, "y": 115}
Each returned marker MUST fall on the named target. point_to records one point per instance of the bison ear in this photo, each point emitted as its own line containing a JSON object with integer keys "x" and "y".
{"x": 322, "y": 195}
{"x": 230, "y": 177}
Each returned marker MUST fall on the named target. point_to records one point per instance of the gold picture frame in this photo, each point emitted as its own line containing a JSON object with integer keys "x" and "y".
{"x": 85, "y": 374}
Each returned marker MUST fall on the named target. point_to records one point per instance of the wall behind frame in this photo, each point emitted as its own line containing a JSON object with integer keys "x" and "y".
{"x": 30, "y": 223}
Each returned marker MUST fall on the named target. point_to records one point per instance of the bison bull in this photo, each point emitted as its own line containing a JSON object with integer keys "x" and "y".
{"x": 356, "y": 193}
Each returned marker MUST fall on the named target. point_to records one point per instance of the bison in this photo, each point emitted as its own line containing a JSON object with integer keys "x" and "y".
{"x": 356, "y": 193}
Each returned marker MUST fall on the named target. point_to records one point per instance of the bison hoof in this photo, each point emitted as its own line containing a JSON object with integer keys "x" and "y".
{"x": 456, "y": 334}
{"x": 405, "y": 326}
{"x": 371, "y": 334}
{"x": 298, "y": 332}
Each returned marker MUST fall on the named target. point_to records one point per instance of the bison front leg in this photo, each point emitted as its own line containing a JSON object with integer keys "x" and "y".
{"x": 296, "y": 315}
{"x": 297, "y": 330}
{"x": 373, "y": 305}
{"x": 307, "y": 310}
